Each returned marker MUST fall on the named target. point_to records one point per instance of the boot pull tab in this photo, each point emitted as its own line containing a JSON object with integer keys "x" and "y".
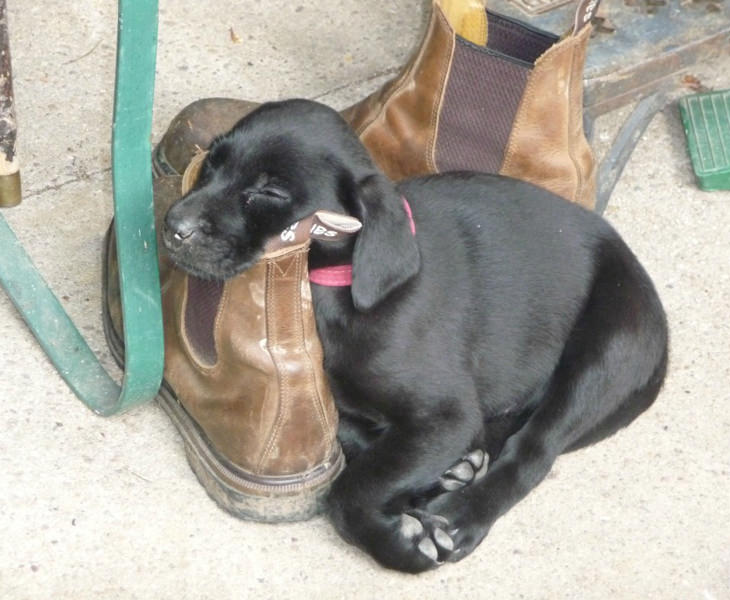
{"x": 330, "y": 226}
{"x": 322, "y": 225}
{"x": 585, "y": 11}
{"x": 468, "y": 18}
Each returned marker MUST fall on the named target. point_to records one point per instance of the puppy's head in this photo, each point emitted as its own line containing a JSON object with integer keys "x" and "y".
{"x": 278, "y": 165}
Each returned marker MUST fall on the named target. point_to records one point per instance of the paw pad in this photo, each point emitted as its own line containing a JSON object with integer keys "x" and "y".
{"x": 410, "y": 526}
{"x": 428, "y": 533}
{"x": 470, "y": 468}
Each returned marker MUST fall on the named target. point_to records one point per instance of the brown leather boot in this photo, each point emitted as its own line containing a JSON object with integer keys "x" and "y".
{"x": 511, "y": 103}
{"x": 482, "y": 92}
{"x": 244, "y": 381}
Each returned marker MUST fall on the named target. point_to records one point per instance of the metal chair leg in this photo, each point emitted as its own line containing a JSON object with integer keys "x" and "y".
{"x": 136, "y": 242}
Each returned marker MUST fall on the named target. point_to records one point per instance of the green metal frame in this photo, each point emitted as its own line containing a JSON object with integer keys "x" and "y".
{"x": 136, "y": 242}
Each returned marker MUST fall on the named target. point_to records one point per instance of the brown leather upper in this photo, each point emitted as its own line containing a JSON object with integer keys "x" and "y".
{"x": 398, "y": 123}
{"x": 547, "y": 145}
{"x": 197, "y": 125}
{"x": 263, "y": 401}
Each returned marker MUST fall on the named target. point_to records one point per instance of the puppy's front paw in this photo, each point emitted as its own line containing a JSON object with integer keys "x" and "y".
{"x": 469, "y": 518}
{"x": 429, "y": 534}
{"x": 413, "y": 542}
{"x": 467, "y": 470}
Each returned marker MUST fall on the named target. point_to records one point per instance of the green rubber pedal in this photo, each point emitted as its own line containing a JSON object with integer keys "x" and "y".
{"x": 706, "y": 120}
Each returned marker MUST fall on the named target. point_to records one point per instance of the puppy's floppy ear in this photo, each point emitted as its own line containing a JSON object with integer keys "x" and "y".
{"x": 385, "y": 254}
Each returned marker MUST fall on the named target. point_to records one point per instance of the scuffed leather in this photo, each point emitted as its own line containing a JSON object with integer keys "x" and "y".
{"x": 398, "y": 123}
{"x": 265, "y": 405}
{"x": 197, "y": 125}
{"x": 547, "y": 145}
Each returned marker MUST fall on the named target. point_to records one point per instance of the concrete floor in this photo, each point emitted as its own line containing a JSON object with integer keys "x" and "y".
{"x": 108, "y": 508}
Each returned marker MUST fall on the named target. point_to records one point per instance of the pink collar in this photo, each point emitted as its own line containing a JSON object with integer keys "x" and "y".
{"x": 341, "y": 275}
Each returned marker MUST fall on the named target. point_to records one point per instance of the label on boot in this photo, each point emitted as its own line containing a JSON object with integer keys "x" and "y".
{"x": 323, "y": 225}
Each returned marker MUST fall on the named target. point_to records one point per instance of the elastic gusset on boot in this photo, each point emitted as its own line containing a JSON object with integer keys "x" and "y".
{"x": 477, "y": 113}
{"x": 201, "y": 309}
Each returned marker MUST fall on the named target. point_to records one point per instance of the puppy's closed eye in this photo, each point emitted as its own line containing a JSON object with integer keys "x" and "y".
{"x": 266, "y": 188}
{"x": 268, "y": 192}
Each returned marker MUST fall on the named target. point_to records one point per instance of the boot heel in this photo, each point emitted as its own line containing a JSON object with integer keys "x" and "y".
{"x": 267, "y": 499}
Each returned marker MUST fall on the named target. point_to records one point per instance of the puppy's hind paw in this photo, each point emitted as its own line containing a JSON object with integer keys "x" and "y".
{"x": 469, "y": 469}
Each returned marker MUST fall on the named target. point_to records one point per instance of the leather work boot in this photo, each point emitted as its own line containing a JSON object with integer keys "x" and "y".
{"x": 243, "y": 381}
{"x": 482, "y": 92}
{"x": 510, "y": 102}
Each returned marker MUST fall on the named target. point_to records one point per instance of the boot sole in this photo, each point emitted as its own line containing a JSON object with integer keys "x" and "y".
{"x": 242, "y": 494}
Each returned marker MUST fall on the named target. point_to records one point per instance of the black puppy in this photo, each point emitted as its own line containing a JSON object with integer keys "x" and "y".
{"x": 511, "y": 327}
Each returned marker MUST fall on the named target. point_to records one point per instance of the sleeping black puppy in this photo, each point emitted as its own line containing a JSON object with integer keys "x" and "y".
{"x": 489, "y": 326}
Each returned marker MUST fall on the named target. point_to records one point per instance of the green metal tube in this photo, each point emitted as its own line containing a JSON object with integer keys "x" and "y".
{"x": 133, "y": 208}
{"x": 136, "y": 242}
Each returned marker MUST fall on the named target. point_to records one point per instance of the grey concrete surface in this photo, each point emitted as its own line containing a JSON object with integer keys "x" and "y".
{"x": 108, "y": 508}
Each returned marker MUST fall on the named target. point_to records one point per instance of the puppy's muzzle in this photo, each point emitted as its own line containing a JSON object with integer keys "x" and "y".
{"x": 177, "y": 232}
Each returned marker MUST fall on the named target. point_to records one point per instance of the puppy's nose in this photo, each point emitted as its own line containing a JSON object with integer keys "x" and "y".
{"x": 178, "y": 230}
